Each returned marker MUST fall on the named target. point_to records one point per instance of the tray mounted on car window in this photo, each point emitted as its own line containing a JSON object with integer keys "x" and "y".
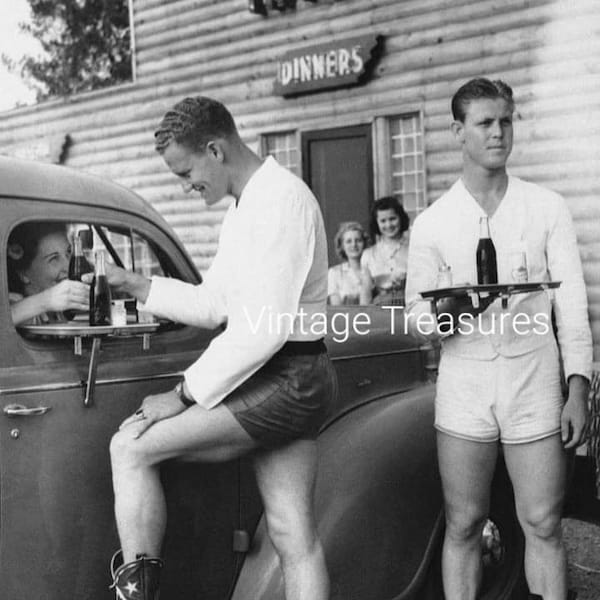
{"x": 78, "y": 329}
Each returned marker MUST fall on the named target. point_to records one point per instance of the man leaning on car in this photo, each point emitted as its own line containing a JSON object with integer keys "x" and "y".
{"x": 255, "y": 388}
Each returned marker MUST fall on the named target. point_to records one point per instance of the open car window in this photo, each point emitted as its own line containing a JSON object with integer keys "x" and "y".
{"x": 125, "y": 248}
{"x": 38, "y": 255}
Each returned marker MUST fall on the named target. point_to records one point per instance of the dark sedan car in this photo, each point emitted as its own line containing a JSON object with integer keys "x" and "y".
{"x": 64, "y": 389}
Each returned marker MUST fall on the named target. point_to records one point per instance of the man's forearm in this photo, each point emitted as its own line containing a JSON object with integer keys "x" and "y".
{"x": 136, "y": 285}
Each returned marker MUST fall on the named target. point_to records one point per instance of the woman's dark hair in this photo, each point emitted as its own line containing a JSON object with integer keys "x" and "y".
{"x": 476, "y": 89}
{"x": 23, "y": 243}
{"x": 386, "y": 203}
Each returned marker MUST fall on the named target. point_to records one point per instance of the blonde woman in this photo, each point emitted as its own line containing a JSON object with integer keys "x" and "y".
{"x": 348, "y": 282}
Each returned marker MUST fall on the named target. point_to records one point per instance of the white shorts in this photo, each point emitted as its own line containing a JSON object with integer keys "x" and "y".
{"x": 516, "y": 399}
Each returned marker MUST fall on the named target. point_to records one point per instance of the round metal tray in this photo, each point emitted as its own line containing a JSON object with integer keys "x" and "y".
{"x": 498, "y": 289}
{"x": 75, "y": 329}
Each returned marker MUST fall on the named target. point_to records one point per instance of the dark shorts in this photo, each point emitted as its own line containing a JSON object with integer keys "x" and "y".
{"x": 288, "y": 398}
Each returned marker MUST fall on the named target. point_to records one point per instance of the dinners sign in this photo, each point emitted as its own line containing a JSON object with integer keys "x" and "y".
{"x": 335, "y": 64}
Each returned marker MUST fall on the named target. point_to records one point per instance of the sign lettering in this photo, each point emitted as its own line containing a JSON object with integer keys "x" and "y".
{"x": 336, "y": 64}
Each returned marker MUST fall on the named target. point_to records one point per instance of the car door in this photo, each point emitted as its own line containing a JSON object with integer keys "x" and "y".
{"x": 373, "y": 354}
{"x": 57, "y": 530}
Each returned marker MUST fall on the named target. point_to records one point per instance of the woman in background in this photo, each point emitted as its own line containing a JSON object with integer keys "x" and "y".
{"x": 348, "y": 282}
{"x": 387, "y": 259}
{"x": 38, "y": 267}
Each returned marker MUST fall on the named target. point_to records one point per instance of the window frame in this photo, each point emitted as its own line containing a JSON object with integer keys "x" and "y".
{"x": 170, "y": 255}
{"x": 291, "y": 134}
{"x": 382, "y": 149}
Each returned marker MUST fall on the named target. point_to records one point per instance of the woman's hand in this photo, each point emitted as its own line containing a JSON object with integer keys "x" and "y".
{"x": 65, "y": 295}
{"x": 398, "y": 278}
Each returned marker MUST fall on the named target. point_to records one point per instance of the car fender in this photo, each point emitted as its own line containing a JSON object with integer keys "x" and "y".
{"x": 378, "y": 503}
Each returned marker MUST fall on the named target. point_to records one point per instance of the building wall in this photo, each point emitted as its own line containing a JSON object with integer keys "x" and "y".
{"x": 546, "y": 49}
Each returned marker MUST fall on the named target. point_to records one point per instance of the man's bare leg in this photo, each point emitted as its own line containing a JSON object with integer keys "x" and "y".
{"x": 538, "y": 472}
{"x": 286, "y": 479}
{"x": 466, "y": 469}
{"x": 140, "y": 510}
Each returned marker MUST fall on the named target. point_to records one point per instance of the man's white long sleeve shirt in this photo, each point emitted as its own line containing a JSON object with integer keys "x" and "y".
{"x": 267, "y": 283}
{"x": 529, "y": 217}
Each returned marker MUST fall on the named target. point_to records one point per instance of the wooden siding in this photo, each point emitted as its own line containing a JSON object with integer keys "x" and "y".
{"x": 546, "y": 49}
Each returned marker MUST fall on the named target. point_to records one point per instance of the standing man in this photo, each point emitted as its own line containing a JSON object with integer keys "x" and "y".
{"x": 499, "y": 375}
{"x": 263, "y": 384}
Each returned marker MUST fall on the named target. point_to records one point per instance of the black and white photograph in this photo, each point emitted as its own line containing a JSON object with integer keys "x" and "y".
{"x": 300, "y": 300}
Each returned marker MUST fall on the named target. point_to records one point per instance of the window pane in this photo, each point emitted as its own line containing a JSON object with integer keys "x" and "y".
{"x": 282, "y": 147}
{"x": 407, "y": 161}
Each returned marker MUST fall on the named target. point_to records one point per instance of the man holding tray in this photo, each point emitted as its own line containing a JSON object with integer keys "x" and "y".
{"x": 500, "y": 374}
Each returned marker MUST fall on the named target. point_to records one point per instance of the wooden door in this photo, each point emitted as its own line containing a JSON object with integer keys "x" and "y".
{"x": 338, "y": 166}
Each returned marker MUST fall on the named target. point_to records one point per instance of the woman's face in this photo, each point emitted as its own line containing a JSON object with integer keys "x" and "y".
{"x": 353, "y": 243}
{"x": 388, "y": 222}
{"x": 50, "y": 265}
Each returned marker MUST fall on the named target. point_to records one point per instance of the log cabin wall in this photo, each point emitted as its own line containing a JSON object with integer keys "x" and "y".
{"x": 545, "y": 49}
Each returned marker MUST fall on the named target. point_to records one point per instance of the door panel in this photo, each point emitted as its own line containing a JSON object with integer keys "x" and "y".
{"x": 338, "y": 166}
{"x": 58, "y": 529}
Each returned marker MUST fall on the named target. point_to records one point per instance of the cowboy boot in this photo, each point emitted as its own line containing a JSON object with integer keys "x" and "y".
{"x": 137, "y": 580}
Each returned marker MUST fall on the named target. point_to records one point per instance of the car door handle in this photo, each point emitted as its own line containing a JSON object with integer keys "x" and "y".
{"x": 18, "y": 410}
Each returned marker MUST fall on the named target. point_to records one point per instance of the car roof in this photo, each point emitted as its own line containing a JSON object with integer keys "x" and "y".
{"x": 30, "y": 179}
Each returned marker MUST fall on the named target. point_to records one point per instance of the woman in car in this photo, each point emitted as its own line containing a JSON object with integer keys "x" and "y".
{"x": 386, "y": 260}
{"x": 348, "y": 282}
{"x": 38, "y": 266}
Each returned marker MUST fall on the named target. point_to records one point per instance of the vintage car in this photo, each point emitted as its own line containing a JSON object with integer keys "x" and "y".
{"x": 64, "y": 393}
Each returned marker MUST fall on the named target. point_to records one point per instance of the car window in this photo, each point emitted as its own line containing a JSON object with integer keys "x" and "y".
{"x": 40, "y": 256}
{"x": 125, "y": 248}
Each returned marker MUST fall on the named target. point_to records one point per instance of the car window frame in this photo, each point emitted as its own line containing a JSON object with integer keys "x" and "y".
{"x": 168, "y": 250}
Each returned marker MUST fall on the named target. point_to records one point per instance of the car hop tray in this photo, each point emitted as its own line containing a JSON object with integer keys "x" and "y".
{"x": 80, "y": 329}
{"x": 500, "y": 290}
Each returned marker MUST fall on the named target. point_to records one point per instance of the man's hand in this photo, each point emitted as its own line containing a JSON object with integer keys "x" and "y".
{"x": 153, "y": 409}
{"x": 450, "y": 309}
{"x": 122, "y": 280}
{"x": 574, "y": 416}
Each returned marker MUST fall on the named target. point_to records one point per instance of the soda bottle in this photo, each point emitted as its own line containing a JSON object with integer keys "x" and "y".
{"x": 100, "y": 296}
{"x": 78, "y": 265}
{"x": 487, "y": 270}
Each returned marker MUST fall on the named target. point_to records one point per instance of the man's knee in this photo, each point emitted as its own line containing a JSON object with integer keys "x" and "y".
{"x": 125, "y": 450}
{"x": 291, "y": 533}
{"x": 540, "y": 521}
{"x": 465, "y": 524}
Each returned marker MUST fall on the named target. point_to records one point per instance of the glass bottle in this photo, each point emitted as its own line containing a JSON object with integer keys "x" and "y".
{"x": 100, "y": 296}
{"x": 78, "y": 265}
{"x": 487, "y": 269}
{"x": 444, "y": 279}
